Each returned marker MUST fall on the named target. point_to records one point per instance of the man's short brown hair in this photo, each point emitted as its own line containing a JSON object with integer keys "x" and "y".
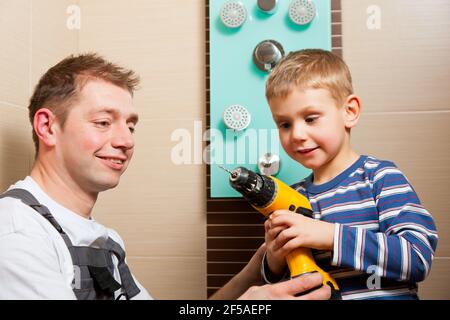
{"x": 60, "y": 86}
{"x": 310, "y": 68}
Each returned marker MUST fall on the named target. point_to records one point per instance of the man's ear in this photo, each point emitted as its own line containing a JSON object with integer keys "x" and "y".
{"x": 44, "y": 125}
{"x": 352, "y": 111}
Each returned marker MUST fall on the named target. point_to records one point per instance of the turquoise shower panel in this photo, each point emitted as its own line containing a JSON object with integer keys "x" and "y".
{"x": 234, "y": 79}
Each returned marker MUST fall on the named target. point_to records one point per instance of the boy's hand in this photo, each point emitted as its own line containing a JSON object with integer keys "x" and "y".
{"x": 275, "y": 258}
{"x": 286, "y": 231}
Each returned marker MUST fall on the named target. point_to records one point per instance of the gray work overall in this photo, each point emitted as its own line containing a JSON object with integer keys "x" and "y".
{"x": 93, "y": 267}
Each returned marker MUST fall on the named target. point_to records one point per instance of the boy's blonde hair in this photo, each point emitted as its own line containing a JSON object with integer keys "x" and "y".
{"x": 310, "y": 68}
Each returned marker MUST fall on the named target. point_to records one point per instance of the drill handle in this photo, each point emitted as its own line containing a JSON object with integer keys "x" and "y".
{"x": 300, "y": 261}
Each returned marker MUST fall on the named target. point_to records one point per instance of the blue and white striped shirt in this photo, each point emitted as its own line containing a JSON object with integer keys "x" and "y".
{"x": 384, "y": 239}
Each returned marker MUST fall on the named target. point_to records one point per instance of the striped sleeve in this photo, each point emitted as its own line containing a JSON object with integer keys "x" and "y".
{"x": 403, "y": 247}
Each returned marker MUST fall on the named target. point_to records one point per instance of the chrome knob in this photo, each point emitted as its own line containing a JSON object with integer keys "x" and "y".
{"x": 269, "y": 164}
{"x": 267, "y": 6}
{"x": 267, "y": 54}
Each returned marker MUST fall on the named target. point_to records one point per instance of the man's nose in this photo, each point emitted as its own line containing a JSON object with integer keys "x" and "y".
{"x": 122, "y": 137}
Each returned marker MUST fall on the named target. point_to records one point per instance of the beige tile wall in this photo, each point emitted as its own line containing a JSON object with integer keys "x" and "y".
{"x": 51, "y": 38}
{"x": 159, "y": 207}
{"x": 34, "y": 37}
{"x": 15, "y": 143}
{"x": 401, "y": 73}
{"x": 15, "y": 53}
{"x": 14, "y": 88}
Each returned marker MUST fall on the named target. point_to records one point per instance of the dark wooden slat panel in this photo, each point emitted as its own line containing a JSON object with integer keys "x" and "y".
{"x": 234, "y": 243}
{"x": 337, "y": 52}
{"x": 236, "y": 231}
{"x": 218, "y": 281}
{"x": 335, "y": 4}
{"x": 229, "y": 205}
{"x": 224, "y": 268}
{"x": 233, "y": 255}
{"x": 336, "y": 41}
{"x": 336, "y": 29}
{"x": 336, "y": 16}
{"x": 235, "y": 218}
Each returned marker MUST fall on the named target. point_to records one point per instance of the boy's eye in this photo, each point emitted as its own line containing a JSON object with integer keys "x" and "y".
{"x": 311, "y": 119}
{"x": 132, "y": 129}
{"x": 284, "y": 125}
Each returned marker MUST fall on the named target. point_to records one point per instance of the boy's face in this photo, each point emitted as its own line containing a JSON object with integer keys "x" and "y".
{"x": 96, "y": 143}
{"x": 311, "y": 126}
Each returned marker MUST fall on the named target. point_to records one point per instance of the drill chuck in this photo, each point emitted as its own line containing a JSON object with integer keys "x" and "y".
{"x": 257, "y": 189}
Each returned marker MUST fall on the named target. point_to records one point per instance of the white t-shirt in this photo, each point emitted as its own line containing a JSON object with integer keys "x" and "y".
{"x": 35, "y": 263}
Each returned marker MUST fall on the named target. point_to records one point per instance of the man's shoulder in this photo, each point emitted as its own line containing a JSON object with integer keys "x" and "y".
{"x": 114, "y": 235}
{"x": 10, "y": 210}
{"x": 16, "y": 216}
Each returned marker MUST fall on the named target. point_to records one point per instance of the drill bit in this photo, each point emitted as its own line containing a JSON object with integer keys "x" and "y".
{"x": 233, "y": 174}
{"x": 225, "y": 169}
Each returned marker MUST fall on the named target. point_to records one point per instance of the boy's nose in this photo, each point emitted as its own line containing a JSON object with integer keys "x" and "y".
{"x": 298, "y": 133}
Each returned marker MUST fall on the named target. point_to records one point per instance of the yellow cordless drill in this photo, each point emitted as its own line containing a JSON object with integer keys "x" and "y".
{"x": 267, "y": 194}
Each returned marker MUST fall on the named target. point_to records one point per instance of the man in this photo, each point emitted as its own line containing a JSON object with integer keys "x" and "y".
{"x": 50, "y": 247}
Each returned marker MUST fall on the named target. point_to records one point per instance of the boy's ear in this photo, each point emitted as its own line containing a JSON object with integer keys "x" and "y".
{"x": 44, "y": 126}
{"x": 352, "y": 111}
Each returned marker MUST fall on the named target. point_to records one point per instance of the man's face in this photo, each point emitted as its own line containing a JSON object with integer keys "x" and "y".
{"x": 311, "y": 126}
{"x": 96, "y": 142}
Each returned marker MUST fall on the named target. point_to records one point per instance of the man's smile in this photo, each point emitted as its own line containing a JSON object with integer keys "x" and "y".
{"x": 115, "y": 163}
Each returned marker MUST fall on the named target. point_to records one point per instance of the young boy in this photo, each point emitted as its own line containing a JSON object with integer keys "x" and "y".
{"x": 370, "y": 230}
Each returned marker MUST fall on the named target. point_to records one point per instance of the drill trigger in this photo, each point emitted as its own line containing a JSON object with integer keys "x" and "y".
{"x": 304, "y": 211}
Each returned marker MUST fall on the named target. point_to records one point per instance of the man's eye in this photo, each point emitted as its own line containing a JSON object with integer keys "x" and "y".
{"x": 132, "y": 129}
{"x": 102, "y": 124}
